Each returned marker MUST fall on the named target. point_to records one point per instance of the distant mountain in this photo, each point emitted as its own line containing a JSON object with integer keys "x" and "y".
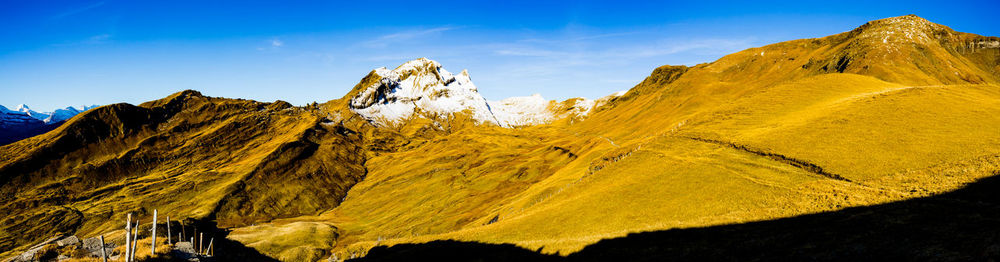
{"x": 24, "y": 122}
{"x": 423, "y": 88}
{"x": 419, "y": 87}
{"x": 34, "y": 114}
{"x": 64, "y": 114}
{"x": 16, "y": 125}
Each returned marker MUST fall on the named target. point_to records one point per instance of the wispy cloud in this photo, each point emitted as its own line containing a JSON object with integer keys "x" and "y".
{"x": 272, "y": 44}
{"x": 527, "y": 51}
{"x": 635, "y": 51}
{"x": 385, "y": 40}
{"x": 604, "y": 62}
{"x": 576, "y": 38}
{"x": 719, "y": 46}
{"x": 98, "y": 39}
{"x": 77, "y": 11}
{"x": 93, "y": 40}
{"x": 592, "y": 62}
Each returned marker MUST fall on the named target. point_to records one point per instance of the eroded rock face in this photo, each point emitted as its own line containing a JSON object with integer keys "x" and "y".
{"x": 68, "y": 241}
{"x": 49, "y": 250}
{"x": 423, "y": 88}
{"x": 420, "y": 86}
{"x": 39, "y": 252}
{"x": 93, "y": 246}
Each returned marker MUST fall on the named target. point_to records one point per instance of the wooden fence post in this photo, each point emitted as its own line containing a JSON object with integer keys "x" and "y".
{"x": 135, "y": 240}
{"x": 209, "y": 245}
{"x": 128, "y": 234}
{"x": 104, "y": 252}
{"x": 168, "y": 230}
{"x": 152, "y": 248}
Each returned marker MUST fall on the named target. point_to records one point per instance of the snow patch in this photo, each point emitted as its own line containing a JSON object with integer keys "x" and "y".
{"x": 65, "y": 113}
{"x": 521, "y": 111}
{"x": 422, "y": 88}
{"x": 420, "y": 84}
{"x": 48, "y": 117}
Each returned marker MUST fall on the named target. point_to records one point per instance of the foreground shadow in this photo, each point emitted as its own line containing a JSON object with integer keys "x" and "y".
{"x": 224, "y": 248}
{"x": 963, "y": 225}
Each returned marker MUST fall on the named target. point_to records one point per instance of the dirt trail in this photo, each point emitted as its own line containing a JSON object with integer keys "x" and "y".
{"x": 801, "y": 164}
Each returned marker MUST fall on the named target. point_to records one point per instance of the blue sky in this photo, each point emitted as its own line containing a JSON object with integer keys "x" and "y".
{"x": 59, "y": 53}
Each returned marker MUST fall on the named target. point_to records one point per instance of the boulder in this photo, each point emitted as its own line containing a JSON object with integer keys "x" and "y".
{"x": 93, "y": 245}
{"x": 185, "y": 247}
{"x": 35, "y": 251}
{"x": 185, "y": 251}
{"x": 68, "y": 241}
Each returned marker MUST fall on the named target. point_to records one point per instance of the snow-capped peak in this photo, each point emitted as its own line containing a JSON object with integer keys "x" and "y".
{"x": 423, "y": 88}
{"x": 48, "y": 117}
{"x": 65, "y": 113}
{"x": 420, "y": 84}
{"x": 523, "y": 110}
{"x": 34, "y": 114}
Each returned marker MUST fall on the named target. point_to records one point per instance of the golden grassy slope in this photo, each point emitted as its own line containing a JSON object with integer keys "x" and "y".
{"x": 736, "y": 140}
{"x": 290, "y": 241}
{"x": 189, "y": 156}
{"x": 886, "y": 127}
{"x": 670, "y": 180}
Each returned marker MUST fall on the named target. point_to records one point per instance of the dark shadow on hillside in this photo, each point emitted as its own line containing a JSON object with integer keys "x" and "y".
{"x": 224, "y": 248}
{"x": 963, "y": 225}
{"x": 450, "y": 250}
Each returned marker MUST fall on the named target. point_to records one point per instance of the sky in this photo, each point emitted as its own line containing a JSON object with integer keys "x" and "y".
{"x": 55, "y": 54}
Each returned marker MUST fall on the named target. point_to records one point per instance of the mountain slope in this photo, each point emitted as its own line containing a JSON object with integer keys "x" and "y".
{"x": 907, "y": 50}
{"x": 749, "y": 137}
{"x": 15, "y": 125}
{"x": 189, "y": 155}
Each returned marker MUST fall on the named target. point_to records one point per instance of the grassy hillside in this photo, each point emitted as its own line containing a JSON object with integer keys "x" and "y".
{"x": 187, "y": 155}
{"x": 730, "y": 165}
{"x": 765, "y": 133}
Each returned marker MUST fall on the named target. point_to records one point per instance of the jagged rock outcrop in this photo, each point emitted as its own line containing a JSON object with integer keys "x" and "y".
{"x": 60, "y": 248}
{"x": 420, "y": 86}
{"x": 423, "y": 88}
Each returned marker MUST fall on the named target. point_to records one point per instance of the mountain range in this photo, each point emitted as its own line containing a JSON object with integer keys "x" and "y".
{"x": 24, "y": 122}
{"x": 897, "y": 109}
{"x": 422, "y": 88}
